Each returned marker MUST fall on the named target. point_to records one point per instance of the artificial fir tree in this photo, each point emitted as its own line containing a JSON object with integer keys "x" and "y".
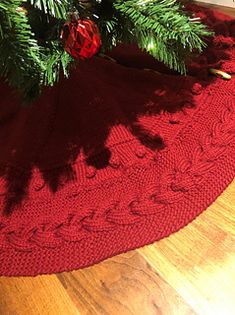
{"x": 39, "y": 39}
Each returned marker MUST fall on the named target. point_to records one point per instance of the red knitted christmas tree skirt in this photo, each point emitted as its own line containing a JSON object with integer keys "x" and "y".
{"x": 114, "y": 158}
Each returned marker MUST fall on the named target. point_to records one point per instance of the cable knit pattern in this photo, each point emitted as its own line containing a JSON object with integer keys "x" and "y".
{"x": 115, "y": 157}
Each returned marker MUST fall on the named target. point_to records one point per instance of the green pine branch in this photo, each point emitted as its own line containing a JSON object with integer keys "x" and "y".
{"x": 55, "y": 8}
{"x": 57, "y": 61}
{"x": 163, "y": 29}
{"x": 20, "y": 61}
{"x": 23, "y": 63}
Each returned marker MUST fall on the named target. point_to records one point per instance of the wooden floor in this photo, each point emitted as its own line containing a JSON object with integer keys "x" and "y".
{"x": 191, "y": 272}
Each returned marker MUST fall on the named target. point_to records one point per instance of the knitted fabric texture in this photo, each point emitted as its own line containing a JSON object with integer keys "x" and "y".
{"x": 116, "y": 157}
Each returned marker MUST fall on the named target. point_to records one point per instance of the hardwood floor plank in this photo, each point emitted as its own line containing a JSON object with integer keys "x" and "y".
{"x": 226, "y": 10}
{"x": 34, "y": 296}
{"x": 126, "y": 285}
{"x": 199, "y": 260}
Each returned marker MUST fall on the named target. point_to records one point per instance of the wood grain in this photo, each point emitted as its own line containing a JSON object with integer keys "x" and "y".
{"x": 227, "y": 3}
{"x": 199, "y": 261}
{"x": 125, "y": 284}
{"x": 226, "y": 10}
{"x": 192, "y": 272}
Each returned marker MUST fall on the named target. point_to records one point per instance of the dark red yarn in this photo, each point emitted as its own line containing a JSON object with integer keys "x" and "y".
{"x": 115, "y": 157}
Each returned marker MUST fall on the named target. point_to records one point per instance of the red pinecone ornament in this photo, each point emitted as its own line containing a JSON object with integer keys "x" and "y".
{"x": 82, "y": 38}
